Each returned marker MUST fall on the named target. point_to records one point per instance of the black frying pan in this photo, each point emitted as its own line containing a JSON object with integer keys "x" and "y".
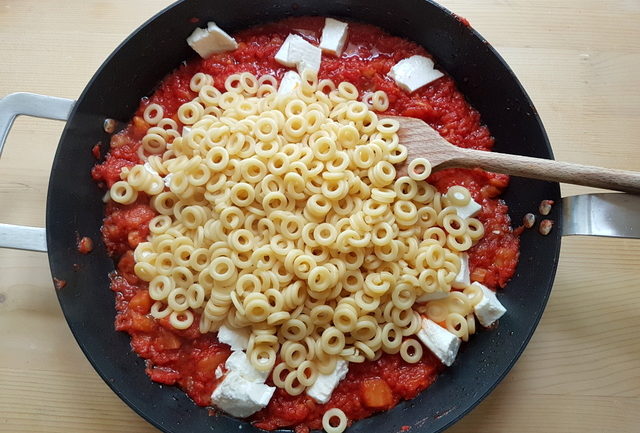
{"x": 131, "y": 72}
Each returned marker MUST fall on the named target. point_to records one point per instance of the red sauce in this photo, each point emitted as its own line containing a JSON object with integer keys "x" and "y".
{"x": 188, "y": 359}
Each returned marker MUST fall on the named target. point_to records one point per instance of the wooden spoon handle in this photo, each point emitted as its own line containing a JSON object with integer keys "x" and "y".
{"x": 546, "y": 169}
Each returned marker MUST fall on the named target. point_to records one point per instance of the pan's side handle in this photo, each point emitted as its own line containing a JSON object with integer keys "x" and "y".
{"x": 607, "y": 214}
{"x": 30, "y": 104}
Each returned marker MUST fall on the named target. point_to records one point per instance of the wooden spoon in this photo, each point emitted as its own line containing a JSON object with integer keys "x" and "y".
{"x": 422, "y": 141}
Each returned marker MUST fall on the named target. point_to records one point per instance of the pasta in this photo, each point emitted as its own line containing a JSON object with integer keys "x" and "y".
{"x": 328, "y": 421}
{"x": 283, "y": 215}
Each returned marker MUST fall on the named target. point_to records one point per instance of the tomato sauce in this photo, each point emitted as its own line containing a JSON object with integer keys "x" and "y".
{"x": 187, "y": 358}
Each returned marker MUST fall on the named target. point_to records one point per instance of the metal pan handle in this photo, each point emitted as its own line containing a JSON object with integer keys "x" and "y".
{"x": 30, "y": 104}
{"x": 607, "y": 214}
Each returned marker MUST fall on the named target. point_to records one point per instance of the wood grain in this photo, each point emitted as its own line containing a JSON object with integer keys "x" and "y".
{"x": 578, "y": 59}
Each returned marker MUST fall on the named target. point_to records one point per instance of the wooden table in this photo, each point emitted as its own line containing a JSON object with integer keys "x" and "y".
{"x": 579, "y": 60}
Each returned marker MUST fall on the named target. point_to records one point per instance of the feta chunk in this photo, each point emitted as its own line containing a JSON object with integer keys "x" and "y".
{"x": 296, "y": 51}
{"x": 211, "y": 40}
{"x": 489, "y": 309}
{"x": 167, "y": 180}
{"x": 282, "y": 56}
{"x": 238, "y": 339}
{"x": 469, "y": 210}
{"x": 432, "y": 296}
{"x": 156, "y": 180}
{"x": 219, "y": 372}
{"x": 463, "y": 279}
{"x": 322, "y": 389}
{"x": 290, "y": 82}
{"x": 414, "y": 72}
{"x": 240, "y": 397}
{"x": 305, "y": 55}
{"x": 334, "y": 36}
{"x": 150, "y": 169}
{"x": 441, "y": 342}
{"x": 238, "y": 362}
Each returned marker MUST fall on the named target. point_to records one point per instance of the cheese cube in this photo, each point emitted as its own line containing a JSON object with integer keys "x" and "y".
{"x": 296, "y": 51}
{"x": 240, "y": 397}
{"x": 334, "y": 36}
{"x": 150, "y": 169}
{"x": 489, "y": 309}
{"x": 156, "y": 180}
{"x": 322, "y": 389}
{"x": 414, "y": 72}
{"x": 469, "y": 210}
{"x": 305, "y": 55}
{"x": 167, "y": 180}
{"x": 463, "y": 279}
{"x": 219, "y": 372}
{"x": 282, "y": 56}
{"x": 432, "y": 296}
{"x": 211, "y": 40}
{"x": 441, "y": 342}
{"x": 238, "y": 339}
{"x": 288, "y": 85}
{"x": 238, "y": 362}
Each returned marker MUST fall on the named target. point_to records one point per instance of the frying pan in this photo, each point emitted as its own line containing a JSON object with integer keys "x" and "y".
{"x": 74, "y": 204}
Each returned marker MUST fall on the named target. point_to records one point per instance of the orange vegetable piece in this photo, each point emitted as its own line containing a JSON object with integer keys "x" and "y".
{"x": 377, "y": 394}
{"x": 141, "y": 302}
{"x": 168, "y": 341}
{"x": 209, "y": 363}
{"x": 142, "y": 323}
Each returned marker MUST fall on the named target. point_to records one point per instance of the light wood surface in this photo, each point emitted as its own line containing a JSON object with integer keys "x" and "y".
{"x": 578, "y": 59}
{"x": 422, "y": 141}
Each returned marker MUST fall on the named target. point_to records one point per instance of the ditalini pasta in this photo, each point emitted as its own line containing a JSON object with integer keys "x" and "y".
{"x": 282, "y": 214}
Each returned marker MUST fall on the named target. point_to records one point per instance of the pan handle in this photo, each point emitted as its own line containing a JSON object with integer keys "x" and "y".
{"x": 30, "y": 104}
{"x": 606, "y": 214}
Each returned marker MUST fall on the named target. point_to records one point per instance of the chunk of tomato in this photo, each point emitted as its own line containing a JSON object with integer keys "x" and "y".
{"x": 377, "y": 394}
{"x": 141, "y": 302}
{"x": 207, "y": 365}
{"x": 168, "y": 341}
{"x": 142, "y": 323}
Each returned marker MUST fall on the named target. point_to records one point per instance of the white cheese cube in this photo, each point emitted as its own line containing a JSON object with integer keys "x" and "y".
{"x": 441, "y": 342}
{"x": 150, "y": 169}
{"x": 238, "y": 339}
{"x": 240, "y": 397}
{"x": 469, "y": 210}
{"x": 305, "y": 55}
{"x": 282, "y": 56}
{"x": 322, "y": 389}
{"x": 156, "y": 180}
{"x": 414, "y": 72}
{"x": 219, "y": 372}
{"x": 463, "y": 279}
{"x": 296, "y": 51}
{"x": 432, "y": 296}
{"x": 334, "y": 36}
{"x": 167, "y": 180}
{"x": 239, "y": 363}
{"x": 290, "y": 82}
{"x": 211, "y": 40}
{"x": 489, "y": 309}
